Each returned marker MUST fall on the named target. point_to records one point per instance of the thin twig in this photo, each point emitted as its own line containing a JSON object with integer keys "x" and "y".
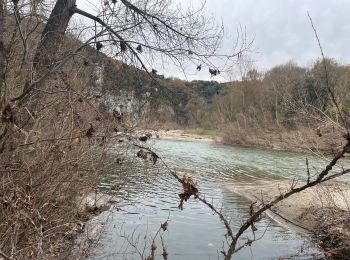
{"x": 330, "y": 91}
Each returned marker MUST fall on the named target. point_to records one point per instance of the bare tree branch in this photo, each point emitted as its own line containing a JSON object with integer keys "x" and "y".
{"x": 2, "y": 51}
{"x": 329, "y": 89}
{"x": 319, "y": 179}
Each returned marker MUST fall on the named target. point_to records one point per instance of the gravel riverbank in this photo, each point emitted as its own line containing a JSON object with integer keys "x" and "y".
{"x": 323, "y": 212}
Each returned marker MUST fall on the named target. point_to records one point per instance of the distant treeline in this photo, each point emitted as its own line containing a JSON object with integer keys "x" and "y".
{"x": 285, "y": 96}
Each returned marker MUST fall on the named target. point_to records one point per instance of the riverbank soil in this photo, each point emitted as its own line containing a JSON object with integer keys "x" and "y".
{"x": 333, "y": 233}
{"x": 89, "y": 204}
{"x": 180, "y": 135}
{"x": 322, "y": 211}
{"x": 303, "y": 139}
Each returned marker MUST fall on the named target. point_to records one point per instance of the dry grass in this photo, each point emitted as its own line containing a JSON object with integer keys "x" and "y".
{"x": 52, "y": 145}
{"x": 44, "y": 168}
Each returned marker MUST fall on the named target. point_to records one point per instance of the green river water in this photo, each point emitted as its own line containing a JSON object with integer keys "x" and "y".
{"x": 150, "y": 196}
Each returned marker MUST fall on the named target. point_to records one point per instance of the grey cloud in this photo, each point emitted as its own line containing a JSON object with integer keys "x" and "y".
{"x": 281, "y": 30}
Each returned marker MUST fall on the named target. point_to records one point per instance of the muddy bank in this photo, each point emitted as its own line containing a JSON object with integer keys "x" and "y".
{"x": 303, "y": 139}
{"x": 93, "y": 201}
{"x": 181, "y": 135}
{"x": 323, "y": 212}
{"x": 90, "y": 203}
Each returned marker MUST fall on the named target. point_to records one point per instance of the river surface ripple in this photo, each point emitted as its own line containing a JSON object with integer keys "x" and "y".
{"x": 150, "y": 196}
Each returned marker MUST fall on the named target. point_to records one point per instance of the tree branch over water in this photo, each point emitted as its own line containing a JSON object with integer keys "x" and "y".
{"x": 322, "y": 177}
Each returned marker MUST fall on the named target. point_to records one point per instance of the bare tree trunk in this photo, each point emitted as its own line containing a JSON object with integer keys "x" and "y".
{"x": 47, "y": 50}
{"x": 53, "y": 35}
{"x": 2, "y": 50}
{"x": 45, "y": 55}
{"x": 3, "y": 128}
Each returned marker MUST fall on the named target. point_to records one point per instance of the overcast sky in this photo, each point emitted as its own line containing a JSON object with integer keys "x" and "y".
{"x": 281, "y": 30}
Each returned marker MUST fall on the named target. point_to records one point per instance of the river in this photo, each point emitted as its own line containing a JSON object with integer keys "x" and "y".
{"x": 150, "y": 196}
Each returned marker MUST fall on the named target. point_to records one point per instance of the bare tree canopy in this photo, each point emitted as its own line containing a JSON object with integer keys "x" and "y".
{"x": 57, "y": 131}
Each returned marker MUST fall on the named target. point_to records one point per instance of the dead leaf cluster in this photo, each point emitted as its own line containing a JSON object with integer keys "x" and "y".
{"x": 189, "y": 188}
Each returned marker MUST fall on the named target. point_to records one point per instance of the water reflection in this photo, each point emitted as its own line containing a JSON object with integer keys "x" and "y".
{"x": 150, "y": 197}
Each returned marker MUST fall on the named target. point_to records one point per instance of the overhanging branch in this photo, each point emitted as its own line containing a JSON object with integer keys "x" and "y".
{"x": 76, "y": 10}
